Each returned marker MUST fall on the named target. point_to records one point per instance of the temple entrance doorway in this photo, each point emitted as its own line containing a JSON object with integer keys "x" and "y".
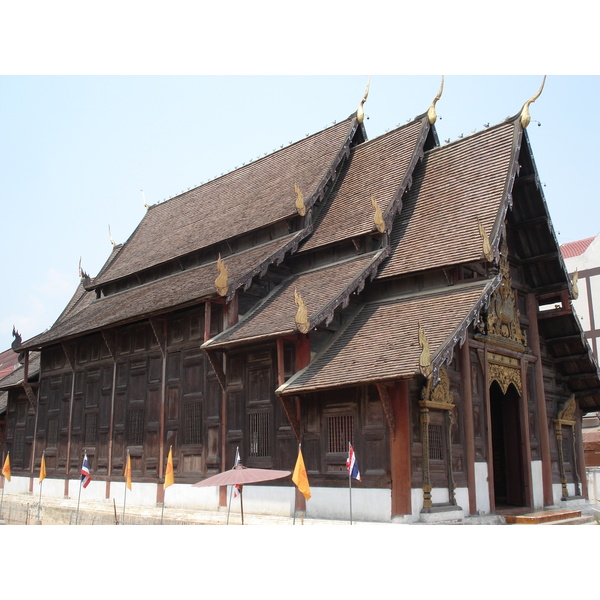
{"x": 507, "y": 447}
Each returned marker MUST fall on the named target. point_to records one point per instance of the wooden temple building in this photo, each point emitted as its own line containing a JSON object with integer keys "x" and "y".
{"x": 404, "y": 296}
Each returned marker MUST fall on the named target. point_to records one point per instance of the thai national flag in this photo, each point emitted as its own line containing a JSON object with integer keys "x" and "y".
{"x": 85, "y": 472}
{"x": 352, "y": 464}
{"x": 236, "y": 488}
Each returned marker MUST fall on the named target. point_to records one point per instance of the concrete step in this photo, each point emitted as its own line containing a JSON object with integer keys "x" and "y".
{"x": 553, "y": 516}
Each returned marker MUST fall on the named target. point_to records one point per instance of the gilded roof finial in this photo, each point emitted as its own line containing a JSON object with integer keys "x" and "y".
{"x": 360, "y": 113}
{"x": 431, "y": 114}
{"x": 487, "y": 247}
{"x": 110, "y": 237}
{"x": 144, "y": 198}
{"x": 300, "y": 206}
{"x": 301, "y": 317}
{"x": 425, "y": 357}
{"x": 378, "y": 216}
{"x": 221, "y": 283}
{"x": 525, "y": 116}
{"x": 574, "y": 286}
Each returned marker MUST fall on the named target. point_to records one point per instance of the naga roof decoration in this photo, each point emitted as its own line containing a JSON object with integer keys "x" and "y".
{"x": 525, "y": 117}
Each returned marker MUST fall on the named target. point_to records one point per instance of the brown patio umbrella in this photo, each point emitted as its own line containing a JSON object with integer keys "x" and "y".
{"x": 241, "y": 475}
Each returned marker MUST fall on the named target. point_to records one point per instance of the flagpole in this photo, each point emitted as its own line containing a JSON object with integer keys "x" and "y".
{"x": 39, "y": 518}
{"x": 350, "y": 483}
{"x": 235, "y": 462}
{"x": 125, "y": 492}
{"x": 79, "y": 496}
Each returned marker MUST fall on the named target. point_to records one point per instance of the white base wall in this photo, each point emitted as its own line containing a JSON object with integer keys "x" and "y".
{"x": 593, "y": 482}
{"x": 373, "y": 505}
{"x": 482, "y": 490}
{"x": 537, "y": 483}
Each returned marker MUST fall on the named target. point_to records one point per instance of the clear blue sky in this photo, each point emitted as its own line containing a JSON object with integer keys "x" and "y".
{"x": 76, "y": 149}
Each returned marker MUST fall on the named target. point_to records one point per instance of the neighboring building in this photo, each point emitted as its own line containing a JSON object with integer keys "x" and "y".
{"x": 582, "y": 259}
{"x": 404, "y": 297}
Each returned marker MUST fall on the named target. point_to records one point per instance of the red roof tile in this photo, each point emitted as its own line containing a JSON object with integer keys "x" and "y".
{"x": 571, "y": 249}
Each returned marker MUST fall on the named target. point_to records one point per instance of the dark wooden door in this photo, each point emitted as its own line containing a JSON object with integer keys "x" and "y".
{"x": 507, "y": 447}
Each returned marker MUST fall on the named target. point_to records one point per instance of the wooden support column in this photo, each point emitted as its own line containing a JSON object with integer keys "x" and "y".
{"x": 488, "y": 426}
{"x": 400, "y": 450}
{"x": 71, "y": 359}
{"x": 534, "y": 343}
{"x": 525, "y": 440}
{"x": 467, "y": 400}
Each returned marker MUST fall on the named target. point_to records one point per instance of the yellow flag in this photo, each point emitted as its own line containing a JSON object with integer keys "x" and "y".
{"x": 127, "y": 472}
{"x": 43, "y": 468}
{"x": 6, "y": 467}
{"x": 169, "y": 477}
{"x": 300, "y": 478}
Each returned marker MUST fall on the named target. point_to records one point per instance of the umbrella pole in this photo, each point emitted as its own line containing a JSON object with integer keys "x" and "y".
{"x": 241, "y": 504}
{"x": 229, "y": 505}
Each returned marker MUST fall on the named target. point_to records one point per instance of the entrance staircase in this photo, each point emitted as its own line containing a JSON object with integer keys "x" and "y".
{"x": 549, "y": 517}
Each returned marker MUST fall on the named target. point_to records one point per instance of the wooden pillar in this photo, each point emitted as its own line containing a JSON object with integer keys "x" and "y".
{"x": 580, "y": 460}
{"x": 400, "y": 445}
{"x": 467, "y": 412}
{"x": 534, "y": 343}
{"x": 525, "y": 440}
{"x": 488, "y": 426}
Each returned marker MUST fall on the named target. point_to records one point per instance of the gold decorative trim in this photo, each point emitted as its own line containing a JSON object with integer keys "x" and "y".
{"x": 360, "y": 113}
{"x": 425, "y": 357}
{"x": 487, "y": 246}
{"x": 300, "y": 205}
{"x": 567, "y": 413}
{"x": 503, "y": 325}
{"x": 566, "y": 418}
{"x": 525, "y": 116}
{"x": 438, "y": 397}
{"x": 431, "y": 114}
{"x": 378, "y": 216}
{"x": 301, "y": 318}
{"x": 504, "y": 370}
{"x": 574, "y": 286}
{"x": 221, "y": 282}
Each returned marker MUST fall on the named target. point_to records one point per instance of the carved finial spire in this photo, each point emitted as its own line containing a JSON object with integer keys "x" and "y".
{"x": 487, "y": 247}
{"x": 431, "y": 114}
{"x": 360, "y": 113}
{"x": 221, "y": 282}
{"x": 17, "y": 341}
{"x": 574, "y": 286}
{"x": 82, "y": 273}
{"x": 378, "y": 216}
{"x": 425, "y": 357}
{"x": 110, "y": 237}
{"x": 301, "y": 318}
{"x": 144, "y": 197}
{"x": 525, "y": 116}
{"x": 300, "y": 206}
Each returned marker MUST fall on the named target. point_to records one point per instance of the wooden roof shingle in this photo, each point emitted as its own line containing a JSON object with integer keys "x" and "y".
{"x": 253, "y": 196}
{"x": 322, "y": 289}
{"x": 382, "y": 341}
{"x": 455, "y": 188}
{"x": 381, "y": 168}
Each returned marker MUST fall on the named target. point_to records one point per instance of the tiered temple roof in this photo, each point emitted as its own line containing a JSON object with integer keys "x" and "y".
{"x": 345, "y": 218}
